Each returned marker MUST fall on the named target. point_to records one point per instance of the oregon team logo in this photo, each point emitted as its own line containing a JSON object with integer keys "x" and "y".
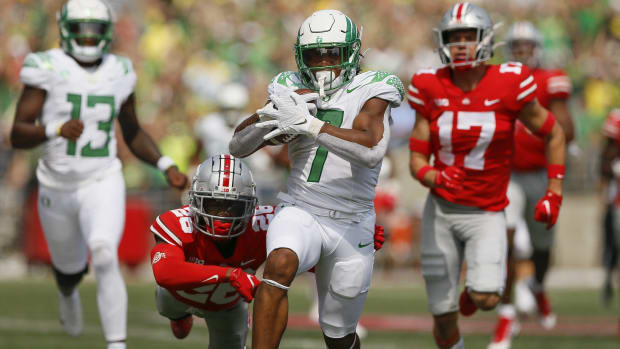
{"x": 45, "y": 201}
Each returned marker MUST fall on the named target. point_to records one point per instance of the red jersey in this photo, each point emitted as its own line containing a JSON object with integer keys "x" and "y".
{"x": 175, "y": 227}
{"x": 611, "y": 127}
{"x": 530, "y": 150}
{"x": 473, "y": 130}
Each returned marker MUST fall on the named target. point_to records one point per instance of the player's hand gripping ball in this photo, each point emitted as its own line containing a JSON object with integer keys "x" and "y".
{"x": 287, "y": 138}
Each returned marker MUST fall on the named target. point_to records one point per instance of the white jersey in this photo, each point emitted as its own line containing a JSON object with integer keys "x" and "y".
{"x": 321, "y": 178}
{"x": 93, "y": 96}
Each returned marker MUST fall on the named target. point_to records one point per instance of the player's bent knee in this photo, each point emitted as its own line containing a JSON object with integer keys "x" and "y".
{"x": 484, "y": 300}
{"x": 67, "y": 282}
{"x": 281, "y": 266}
{"x": 103, "y": 255}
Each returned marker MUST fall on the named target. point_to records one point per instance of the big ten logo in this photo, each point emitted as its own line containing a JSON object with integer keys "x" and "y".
{"x": 262, "y": 216}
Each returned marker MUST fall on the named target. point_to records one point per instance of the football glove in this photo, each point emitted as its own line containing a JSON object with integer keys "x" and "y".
{"x": 548, "y": 208}
{"x": 379, "y": 237}
{"x": 291, "y": 114}
{"x": 246, "y": 284}
{"x": 451, "y": 178}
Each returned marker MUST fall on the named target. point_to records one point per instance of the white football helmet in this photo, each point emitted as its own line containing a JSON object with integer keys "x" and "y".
{"x": 466, "y": 16}
{"x": 524, "y": 31}
{"x": 325, "y": 31}
{"x": 222, "y": 197}
{"x": 86, "y": 28}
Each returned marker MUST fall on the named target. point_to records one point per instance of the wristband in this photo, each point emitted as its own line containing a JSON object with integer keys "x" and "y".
{"x": 555, "y": 171}
{"x": 52, "y": 130}
{"x": 315, "y": 127}
{"x": 419, "y": 146}
{"x": 545, "y": 129}
{"x": 422, "y": 172}
{"x": 165, "y": 163}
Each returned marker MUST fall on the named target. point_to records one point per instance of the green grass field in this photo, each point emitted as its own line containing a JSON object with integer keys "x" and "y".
{"x": 29, "y": 319}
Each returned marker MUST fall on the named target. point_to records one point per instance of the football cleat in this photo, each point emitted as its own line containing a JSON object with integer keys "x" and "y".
{"x": 181, "y": 327}
{"x": 505, "y": 329}
{"x": 546, "y": 318}
{"x": 467, "y": 307}
{"x": 71, "y": 313}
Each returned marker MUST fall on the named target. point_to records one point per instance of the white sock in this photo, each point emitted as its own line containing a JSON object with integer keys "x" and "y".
{"x": 506, "y": 310}
{"x": 117, "y": 345}
{"x": 111, "y": 299}
{"x": 459, "y": 345}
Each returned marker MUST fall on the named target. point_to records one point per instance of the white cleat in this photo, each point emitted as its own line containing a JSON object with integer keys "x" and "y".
{"x": 71, "y": 313}
{"x": 548, "y": 322}
{"x": 361, "y": 331}
{"x": 504, "y": 331}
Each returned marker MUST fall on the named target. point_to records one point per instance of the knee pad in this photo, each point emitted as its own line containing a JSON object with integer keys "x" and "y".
{"x": 103, "y": 255}
{"x": 67, "y": 282}
{"x": 350, "y": 277}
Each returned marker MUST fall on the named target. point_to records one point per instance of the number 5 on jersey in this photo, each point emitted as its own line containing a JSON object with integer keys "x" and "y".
{"x": 105, "y": 126}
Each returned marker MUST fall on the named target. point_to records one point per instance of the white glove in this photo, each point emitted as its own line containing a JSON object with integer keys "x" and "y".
{"x": 291, "y": 115}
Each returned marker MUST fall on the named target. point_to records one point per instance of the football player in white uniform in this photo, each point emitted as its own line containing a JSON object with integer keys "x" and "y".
{"x": 338, "y": 138}
{"x": 70, "y": 99}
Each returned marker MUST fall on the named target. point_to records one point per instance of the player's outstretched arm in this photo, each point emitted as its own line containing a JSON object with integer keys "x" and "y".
{"x": 173, "y": 272}
{"x": 366, "y": 142}
{"x": 143, "y": 146}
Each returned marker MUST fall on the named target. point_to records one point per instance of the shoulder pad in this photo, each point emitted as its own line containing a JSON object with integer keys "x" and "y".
{"x": 378, "y": 84}
{"x": 174, "y": 226}
{"x": 289, "y": 79}
{"x": 37, "y": 70}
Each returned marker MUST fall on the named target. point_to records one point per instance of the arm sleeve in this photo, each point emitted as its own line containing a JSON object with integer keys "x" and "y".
{"x": 171, "y": 271}
{"x": 357, "y": 153}
{"x": 246, "y": 141}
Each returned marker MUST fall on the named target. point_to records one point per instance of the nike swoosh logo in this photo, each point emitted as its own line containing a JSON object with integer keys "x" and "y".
{"x": 301, "y": 123}
{"x": 490, "y": 102}
{"x": 360, "y": 245}
{"x": 215, "y": 277}
{"x": 247, "y": 262}
{"x": 356, "y": 87}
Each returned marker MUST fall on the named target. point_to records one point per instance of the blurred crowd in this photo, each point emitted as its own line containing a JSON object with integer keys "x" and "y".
{"x": 186, "y": 51}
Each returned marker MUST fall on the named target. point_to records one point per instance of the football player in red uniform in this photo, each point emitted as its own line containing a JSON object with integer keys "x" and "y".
{"x": 207, "y": 253}
{"x": 609, "y": 188}
{"x": 467, "y": 112}
{"x": 528, "y": 181}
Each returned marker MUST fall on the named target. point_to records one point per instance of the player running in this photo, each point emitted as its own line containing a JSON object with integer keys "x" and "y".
{"x": 528, "y": 179}
{"x": 69, "y": 103}
{"x": 328, "y": 216}
{"x": 467, "y": 111}
{"x": 207, "y": 253}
